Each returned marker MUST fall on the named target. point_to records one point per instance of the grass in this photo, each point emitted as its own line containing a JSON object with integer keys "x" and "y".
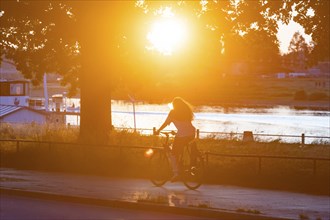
{"x": 293, "y": 175}
{"x": 148, "y": 198}
{"x": 251, "y": 211}
{"x": 306, "y": 217}
{"x": 39, "y": 132}
{"x": 204, "y": 205}
{"x": 303, "y": 217}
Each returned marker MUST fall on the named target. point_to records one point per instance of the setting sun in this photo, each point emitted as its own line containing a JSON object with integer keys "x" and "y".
{"x": 167, "y": 34}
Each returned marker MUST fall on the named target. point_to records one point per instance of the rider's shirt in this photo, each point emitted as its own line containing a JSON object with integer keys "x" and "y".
{"x": 185, "y": 128}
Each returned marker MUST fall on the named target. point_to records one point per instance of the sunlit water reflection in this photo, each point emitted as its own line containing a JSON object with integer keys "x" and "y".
{"x": 209, "y": 119}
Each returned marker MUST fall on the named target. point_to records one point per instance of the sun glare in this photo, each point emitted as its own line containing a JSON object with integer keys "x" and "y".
{"x": 167, "y": 34}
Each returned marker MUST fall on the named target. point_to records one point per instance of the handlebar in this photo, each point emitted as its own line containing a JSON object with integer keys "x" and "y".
{"x": 166, "y": 133}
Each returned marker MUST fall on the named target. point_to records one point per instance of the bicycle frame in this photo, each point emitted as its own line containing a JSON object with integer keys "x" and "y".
{"x": 191, "y": 167}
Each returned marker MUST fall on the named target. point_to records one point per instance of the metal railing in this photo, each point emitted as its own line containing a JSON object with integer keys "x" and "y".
{"x": 302, "y": 139}
{"x": 18, "y": 143}
{"x": 262, "y": 157}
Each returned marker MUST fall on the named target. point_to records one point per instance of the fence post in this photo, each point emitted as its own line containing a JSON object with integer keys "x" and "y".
{"x": 302, "y": 139}
{"x": 197, "y": 134}
{"x": 248, "y": 136}
{"x": 153, "y": 136}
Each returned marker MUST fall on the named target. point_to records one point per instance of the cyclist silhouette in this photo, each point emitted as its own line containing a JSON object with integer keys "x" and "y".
{"x": 181, "y": 116}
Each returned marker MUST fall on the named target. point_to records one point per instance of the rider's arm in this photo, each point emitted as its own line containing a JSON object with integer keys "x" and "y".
{"x": 166, "y": 123}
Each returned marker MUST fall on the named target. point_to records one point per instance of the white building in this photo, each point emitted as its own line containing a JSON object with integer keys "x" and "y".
{"x": 21, "y": 114}
{"x": 280, "y": 75}
{"x": 293, "y": 75}
{"x": 17, "y": 107}
{"x": 14, "y": 92}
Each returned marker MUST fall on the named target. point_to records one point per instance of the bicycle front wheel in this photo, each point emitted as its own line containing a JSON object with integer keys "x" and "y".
{"x": 159, "y": 168}
{"x": 193, "y": 174}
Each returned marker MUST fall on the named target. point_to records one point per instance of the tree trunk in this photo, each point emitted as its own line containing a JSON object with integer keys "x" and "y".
{"x": 96, "y": 78}
{"x": 95, "y": 122}
{"x": 100, "y": 27}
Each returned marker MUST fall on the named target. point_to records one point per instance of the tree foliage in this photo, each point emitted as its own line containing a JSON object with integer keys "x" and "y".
{"x": 298, "y": 44}
{"x": 314, "y": 17}
{"x": 298, "y": 53}
{"x": 46, "y": 36}
{"x": 100, "y": 45}
{"x": 34, "y": 36}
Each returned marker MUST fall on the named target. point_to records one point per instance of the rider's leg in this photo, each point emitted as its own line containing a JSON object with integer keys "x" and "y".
{"x": 177, "y": 148}
{"x": 193, "y": 153}
{"x": 177, "y": 151}
{"x": 174, "y": 164}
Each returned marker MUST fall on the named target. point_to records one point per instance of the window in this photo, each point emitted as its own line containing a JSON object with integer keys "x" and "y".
{"x": 4, "y": 89}
{"x": 17, "y": 89}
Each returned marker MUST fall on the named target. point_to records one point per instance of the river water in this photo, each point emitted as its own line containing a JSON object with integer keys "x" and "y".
{"x": 216, "y": 120}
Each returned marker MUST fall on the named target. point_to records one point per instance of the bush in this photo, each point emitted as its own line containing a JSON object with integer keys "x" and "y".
{"x": 300, "y": 95}
{"x": 318, "y": 96}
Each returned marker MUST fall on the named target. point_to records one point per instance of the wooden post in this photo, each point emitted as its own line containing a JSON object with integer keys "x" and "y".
{"x": 302, "y": 139}
{"x": 248, "y": 136}
{"x": 134, "y": 117}
{"x": 197, "y": 134}
{"x": 153, "y": 136}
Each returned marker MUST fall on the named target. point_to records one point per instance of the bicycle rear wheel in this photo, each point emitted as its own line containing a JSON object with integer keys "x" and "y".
{"x": 159, "y": 168}
{"x": 193, "y": 173}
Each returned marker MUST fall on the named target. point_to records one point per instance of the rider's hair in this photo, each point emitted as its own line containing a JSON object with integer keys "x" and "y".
{"x": 182, "y": 110}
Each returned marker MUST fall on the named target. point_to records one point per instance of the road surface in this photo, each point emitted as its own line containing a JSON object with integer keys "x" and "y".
{"x": 219, "y": 198}
{"x": 25, "y": 208}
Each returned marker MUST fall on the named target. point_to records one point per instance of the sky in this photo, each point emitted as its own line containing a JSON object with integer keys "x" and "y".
{"x": 168, "y": 33}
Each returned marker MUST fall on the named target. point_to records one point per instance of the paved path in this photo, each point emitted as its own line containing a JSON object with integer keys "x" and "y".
{"x": 277, "y": 204}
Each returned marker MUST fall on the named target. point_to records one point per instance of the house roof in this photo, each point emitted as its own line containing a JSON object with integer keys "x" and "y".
{"x": 7, "y": 109}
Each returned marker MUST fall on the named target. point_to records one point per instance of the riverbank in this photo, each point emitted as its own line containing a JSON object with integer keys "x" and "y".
{"x": 298, "y": 105}
{"x": 257, "y": 93}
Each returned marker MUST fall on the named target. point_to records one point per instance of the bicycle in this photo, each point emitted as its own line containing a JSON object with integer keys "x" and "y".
{"x": 191, "y": 164}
